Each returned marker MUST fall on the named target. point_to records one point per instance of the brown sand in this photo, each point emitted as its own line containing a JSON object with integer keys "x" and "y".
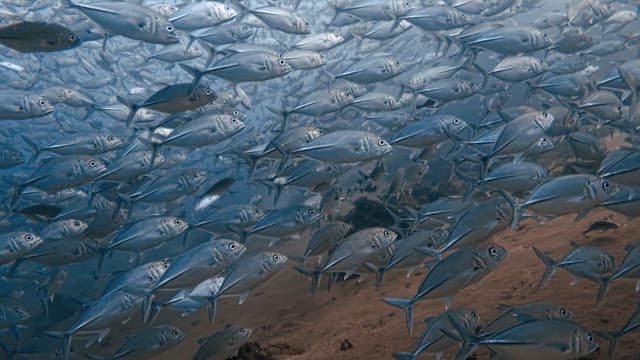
{"x": 291, "y": 324}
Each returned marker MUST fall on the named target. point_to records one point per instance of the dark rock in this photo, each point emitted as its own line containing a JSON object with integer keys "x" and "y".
{"x": 346, "y": 345}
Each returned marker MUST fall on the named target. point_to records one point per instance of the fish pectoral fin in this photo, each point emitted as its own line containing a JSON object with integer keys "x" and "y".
{"x": 484, "y": 40}
{"x": 222, "y": 67}
{"x": 497, "y": 70}
{"x": 243, "y": 297}
{"x": 560, "y": 346}
{"x": 95, "y": 8}
{"x": 315, "y": 147}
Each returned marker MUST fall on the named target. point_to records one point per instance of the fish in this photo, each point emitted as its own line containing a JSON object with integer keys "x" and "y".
{"x": 223, "y": 343}
{"x": 204, "y": 15}
{"x": 152, "y": 340}
{"x": 450, "y": 275}
{"x": 21, "y": 105}
{"x": 345, "y": 146}
{"x": 352, "y": 252}
{"x": 613, "y": 336}
{"x": 551, "y": 337}
{"x": 586, "y": 261}
{"x": 433, "y": 339}
{"x": 130, "y": 20}
{"x": 627, "y": 268}
{"x": 518, "y": 314}
{"x": 578, "y": 194}
{"x": 36, "y": 36}
{"x": 600, "y": 225}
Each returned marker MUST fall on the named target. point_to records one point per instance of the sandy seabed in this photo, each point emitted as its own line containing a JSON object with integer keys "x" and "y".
{"x": 290, "y": 324}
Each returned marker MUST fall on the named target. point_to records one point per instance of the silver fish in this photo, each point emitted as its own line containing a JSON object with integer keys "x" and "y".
{"x": 452, "y": 274}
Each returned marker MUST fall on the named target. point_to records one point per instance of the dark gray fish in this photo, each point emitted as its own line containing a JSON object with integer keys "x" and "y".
{"x": 601, "y": 225}
{"x": 223, "y": 343}
{"x": 29, "y": 36}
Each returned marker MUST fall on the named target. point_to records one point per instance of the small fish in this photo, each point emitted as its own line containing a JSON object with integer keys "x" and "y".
{"x": 600, "y": 225}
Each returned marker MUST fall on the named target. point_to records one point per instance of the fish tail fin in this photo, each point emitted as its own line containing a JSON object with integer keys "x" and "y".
{"x": 550, "y": 266}
{"x": 469, "y": 341}
{"x": 605, "y": 283}
{"x": 133, "y": 109}
{"x": 517, "y": 209}
{"x": 313, "y": 274}
{"x": 37, "y": 150}
{"x": 147, "y": 303}
{"x": 404, "y": 355}
{"x": 332, "y": 78}
{"x": 66, "y": 337}
{"x": 379, "y": 271}
{"x": 212, "y": 308}
{"x": 197, "y": 74}
{"x": 407, "y": 306}
{"x": 612, "y": 337}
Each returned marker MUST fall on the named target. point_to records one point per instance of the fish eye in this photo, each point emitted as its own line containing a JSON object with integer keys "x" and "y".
{"x": 233, "y": 120}
{"x": 93, "y": 163}
{"x": 169, "y": 28}
{"x": 544, "y": 140}
{"x": 243, "y": 331}
{"x": 589, "y": 338}
{"x": 281, "y": 62}
{"x": 232, "y": 246}
{"x": 177, "y": 221}
{"x": 387, "y": 233}
{"x": 493, "y": 251}
{"x": 456, "y": 121}
{"x": 174, "y": 332}
{"x": 195, "y": 175}
{"x": 165, "y": 265}
{"x": 111, "y": 138}
{"x": 312, "y": 212}
{"x": 257, "y": 211}
{"x": 605, "y": 185}
{"x": 14, "y": 155}
{"x": 28, "y": 237}
{"x": 42, "y": 102}
{"x": 381, "y": 142}
{"x": 76, "y": 223}
{"x": 236, "y": 113}
{"x": 207, "y": 92}
{"x": 17, "y": 310}
{"x": 276, "y": 257}
{"x": 72, "y": 37}
{"x": 563, "y": 312}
